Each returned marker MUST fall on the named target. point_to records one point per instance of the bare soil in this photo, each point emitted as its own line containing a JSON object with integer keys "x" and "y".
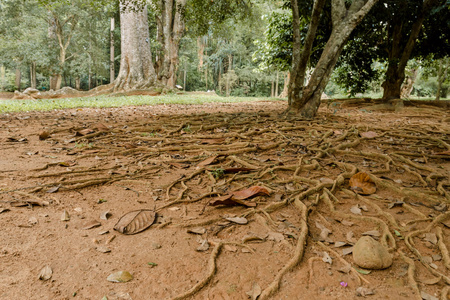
{"x": 179, "y": 160}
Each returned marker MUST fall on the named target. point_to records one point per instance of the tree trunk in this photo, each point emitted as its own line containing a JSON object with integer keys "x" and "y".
{"x": 307, "y": 100}
{"x": 78, "y": 83}
{"x": 272, "y": 90}
{"x": 112, "y": 72}
{"x": 33, "y": 75}
{"x": 408, "y": 85}
{"x": 442, "y": 76}
{"x": 200, "y": 51}
{"x": 398, "y": 58}
{"x": 18, "y": 78}
{"x": 136, "y": 67}
{"x": 2, "y": 77}
{"x": 173, "y": 24}
{"x": 276, "y": 84}
{"x": 284, "y": 93}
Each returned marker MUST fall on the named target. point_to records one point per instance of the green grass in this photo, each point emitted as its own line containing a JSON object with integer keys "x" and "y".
{"x": 9, "y": 106}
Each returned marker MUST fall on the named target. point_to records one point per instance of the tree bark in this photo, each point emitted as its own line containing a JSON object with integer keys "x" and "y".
{"x": 112, "y": 72}
{"x": 78, "y": 83}
{"x": 18, "y": 78}
{"x": 408, "y": 85}
{"x": 136, "y": 67}
{"x": 284, "y": 93}
{"x": 442, "y": 76}
{"x": 398, "y": 57}
{"x": 2, "y": 77}
{"x": 307, "y": 100}
{"x": 33, "y": 75}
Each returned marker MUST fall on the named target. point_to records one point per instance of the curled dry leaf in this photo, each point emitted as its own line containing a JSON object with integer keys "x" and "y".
{"x": 374, "y": 233}
{"x": 327, "y": 258}
{"x": 43, "y": 135}
{"x": 356, "y": 210}
{"x": 105, "y": 215}
{"x": 91, "y": 224}
{"x": 228, "y": 200}
{"x": 65, "y": 216}
{"x": 363, "y": 291}
{"x": 198, "y": 230}
{"x": 431, "y": 237}
{"x": 101, "y": 127}
{"x": 121, "y": 276}
{"x": 255, "y": 291}
{"x": 250, "y": 192}
{"x": 362, "y": 184}
{"x": 208, "y": 161}
{"x": 238, "y": 220}
{"x": 84, "y": 132}
{"x": 46, "y": 273}
{"x": 135, "y": 221}
{"x": 369, "y": 134}
{"x": 204, "y": 246}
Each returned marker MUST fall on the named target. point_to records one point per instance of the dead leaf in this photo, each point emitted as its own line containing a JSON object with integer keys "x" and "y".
{"x": 431, "y": 237}
{"x": 356, "y": 210}
{"x": 345, "y": 269}
{"x": 103, "y": 249}
{"x": 53, "y": 189}
{"x": 395, "y": 204}
{"x": 341, "y": 244}
{"x": 347, "y": 223}
{"x": 363, "y": 291}
{"x": 255, "y": 292}
{"x": 350, "y": 237}
{"x": 374, "y": 233}
{"x": 32, "y": 202}
{"x": 250, "y": 192}
{"x": 65, "y": 216}
{"x": 432, "y": 281}
{"x": 238, "y": 220}
{"x": 207, "y": 161}
{"x": 91, "y": 224}
{"x": 46, "y": 273}
{"x": 101, "y": 127}
{"x": 275, "y": 236}
{"x": 84, "y": 132}
{"x": 198, "y": 230}
{"x": 362, "y": 184}
{"x": 368, "y": 134}
{"x": 3, "y": 210}
{"x": 121, "y": 276}
{"x": 426, "y": 296}
{"x": 105, "y": 215}
{"x": 17, "y": 140}
{"x": 326, "y": 180}
{"x": 204, "y": 246}
{"x": 327, "y": 258}
{"x": 43, "y": 135}
{"x": 135, "y": 221}
{"x": 228, "y": 200}
{"x": 230, "y": 248}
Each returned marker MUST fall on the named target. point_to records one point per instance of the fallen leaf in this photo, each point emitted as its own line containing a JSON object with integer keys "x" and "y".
{"x": 364, "y": 272}
{"x": 46, "y": 273}
{"x": 230, "y": 248}
{"x": 121, "y": 276}
{"x": 356, "y": 210}
{"x": 53, "y": 189}
{"x": 84, "y": 132}
{"x": 255, "y": 291}
{"x": 426, "y": 296}
{"x": 362, "y": 184}
{"x": 340, "y": 244}
{"x": 101, "y": 127}
{"x": 228, "y": 200}
{"x": 345, "y": 269}
{"x": 275, "y": 236}
{"x": 374, "y": 233}
{"x": 207, "y": 161}
{"x": 395, "y": 204}
{"x": 431, "y": 237}
{"x": 432, "y": 281}
{"x": 103, "y": 249}
{"x": 65, "y": 216}
{"x": 135, "y": 221}
{"x": 91, "y": 224}
{"x": 326, "y": 180}
{"x": 105, "y": 215}
{"x": 198, "y": 230}
{"x": 21, "y": 203}
{"x": 204, "y": 246}
{"x": 363, "y": 292}
{"x": 250, "y": 192}
{"x": 347, "y": 251}
{"x": 350, "y": 237}
{"x": 32, "y": 221}
{"x": 326, "y": 258}
{"x": 43, "y": 135}
{"x": 3, "y": 210}
{"x": 238, "y": 220}
{"x": 17, "y": 140}
{"x": 368, "y": 134}
{"x": 347, "y": 223}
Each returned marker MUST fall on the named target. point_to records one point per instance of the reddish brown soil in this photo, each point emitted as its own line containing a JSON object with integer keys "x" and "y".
{"x": 154, "y": 158}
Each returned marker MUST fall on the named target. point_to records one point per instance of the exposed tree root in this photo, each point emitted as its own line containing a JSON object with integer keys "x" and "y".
{"x": 411, "y": 274}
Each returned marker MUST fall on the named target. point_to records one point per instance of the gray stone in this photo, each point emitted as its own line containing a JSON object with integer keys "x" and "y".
{"x": 370, "y": 254}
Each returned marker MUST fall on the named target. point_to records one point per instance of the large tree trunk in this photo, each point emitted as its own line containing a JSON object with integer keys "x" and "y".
{"x": 112, "y": 71}
{"x": 398, "y": 57}
{"x": 173, "y": 25}
{"x": 307, "y": 101}
{"x": 136, "y": 67}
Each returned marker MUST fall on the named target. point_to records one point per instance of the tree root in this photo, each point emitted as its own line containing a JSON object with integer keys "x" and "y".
{"x": 298, "y": 253}
{"x": 443, "y": 248}
{"x": 212, "y": 267}
{"x": 411, "y": 273}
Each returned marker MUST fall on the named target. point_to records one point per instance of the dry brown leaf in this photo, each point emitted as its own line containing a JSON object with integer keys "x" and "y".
{"x": 84, "y": 132}
{"x": 350, "y": 237}
{"x": 91, "y": 224}
{"x": 105, "y": 215}
{"x": 103, "y": 249}
{"x": 326, "y": 258}
{"x": 431, "y": 237}
{"x": 43, "y": 135}
{"x": 374, "y": 233}
{"x": 101, "y": 127}
{"x": 207, "y": 161}
{"x": 250, "y": 192}
{"x": 121, "y": 276}
{"x": 431, "y": 281}
{"x": 362, "y": 184}
{"x": 369, "y": 134}
{"x": 238, "y": 220}
{"x": 135, "y": 221}
{"x": 198, "y": 230}
{"x": 275, "y": 236}
{"x": 204, "y": 246}
{"x": 363, "y": 291}
{"x": 255, "y": 292}
{"x": 46, "y": 273}
{"x": 228, "y": 200}
{"x": 53, "y": 189}
{"x": 356, "y": 210}
{"x": 347, "y": 251}
{"x": 65, "y": 216}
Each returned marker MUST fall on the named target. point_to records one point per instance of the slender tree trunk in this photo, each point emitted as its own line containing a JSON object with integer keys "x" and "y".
{"x": 112, "y": 72}
{"x": 398, "y": 58}
{"x": 33, "y": 75}
{"x": 2, "y": 77}
{"x": 408, "y": 85}
{"x": 284, "y": 93}
{"x": 272, "y": 90}
{"x": 276, "y": 85}
{"x": 136, "y": 67}
{"x": 344, "y": 21}
{"x": 18, "y": 78}
{"x": 184, "y": 79}
{"x": 442, "y": 76}
{"x": 200, "y": 52}
{"x": 78, "y": 83}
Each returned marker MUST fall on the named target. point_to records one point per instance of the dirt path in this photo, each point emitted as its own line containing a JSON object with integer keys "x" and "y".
{"x": 290, "y": 241}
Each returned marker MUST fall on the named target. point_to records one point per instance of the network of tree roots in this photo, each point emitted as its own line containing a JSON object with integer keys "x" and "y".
{"x": 305, "y": 165}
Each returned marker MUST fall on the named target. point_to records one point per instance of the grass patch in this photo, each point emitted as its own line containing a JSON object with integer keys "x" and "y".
{"x": 9, "y": 106}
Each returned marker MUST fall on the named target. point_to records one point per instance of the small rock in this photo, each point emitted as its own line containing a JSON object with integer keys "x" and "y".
{"x": 370, "y": 254}
{"x": 121, "y": 276}
{"x": 46, "y": 273}
{"x": 156, "y": 246}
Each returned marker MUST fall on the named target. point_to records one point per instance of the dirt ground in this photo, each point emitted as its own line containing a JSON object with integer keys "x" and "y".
{"x": 289, "y": 237}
